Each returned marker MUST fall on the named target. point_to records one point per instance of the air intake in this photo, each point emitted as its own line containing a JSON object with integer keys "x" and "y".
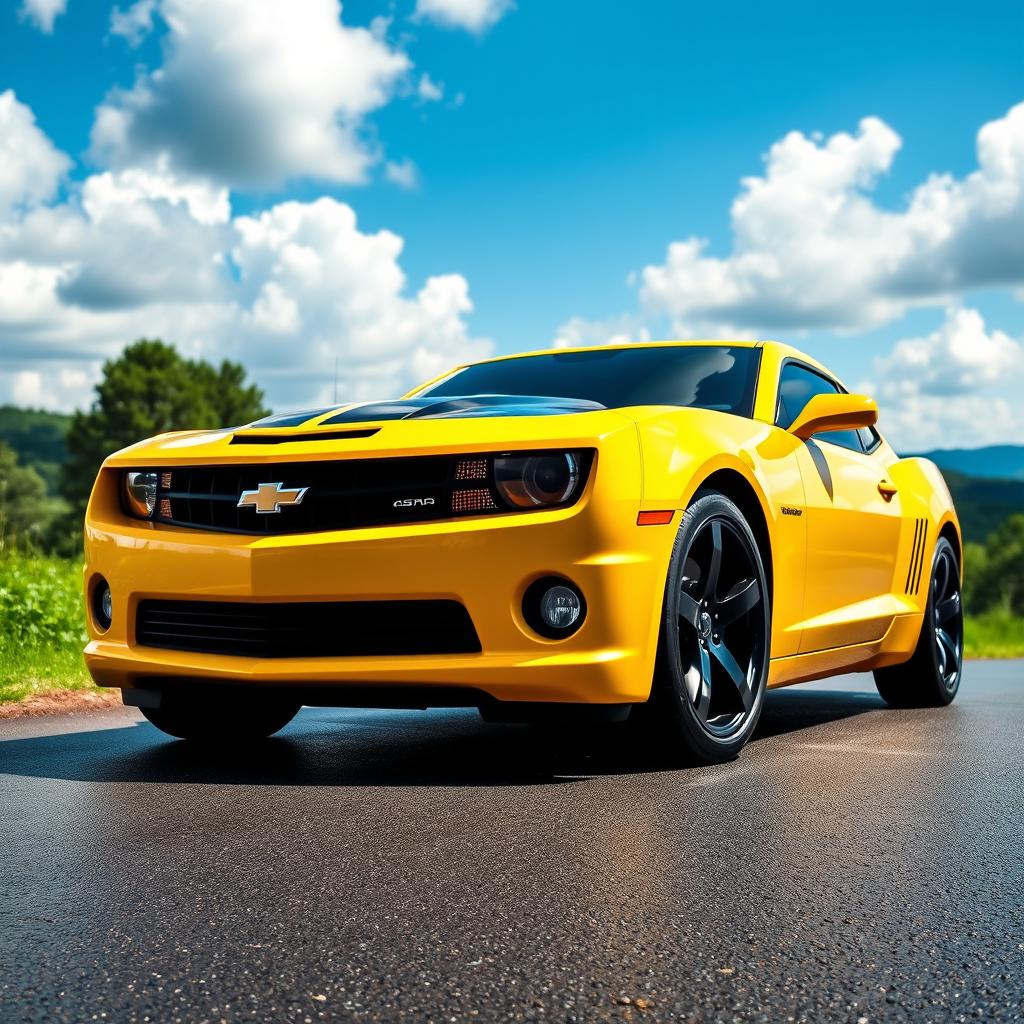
{"x": 307, "y": 629}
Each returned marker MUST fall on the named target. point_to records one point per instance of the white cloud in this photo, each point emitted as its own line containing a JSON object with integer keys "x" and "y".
{"x": 286, "y": 291}
{"x": 42, "y": 13}
{"x": 577, "y": 331}
{"x": 253, "y": 93}
{"x": 811, "y": 249}
{"x": 950, "y": 385}
{"x": 107, "y": 192}
{"x": 27, "y": 387}
{"x": 123, "y": 240}
{"x": 134, "y": 23}
{"x": 474, "y": 16}
{"x": 31, "y": 167}
{"x": 351, "y": 291}
{"x": 403, "y": 173}
{"x": 428, "y": 90}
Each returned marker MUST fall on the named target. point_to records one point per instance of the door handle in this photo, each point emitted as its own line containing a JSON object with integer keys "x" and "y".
{"x": 886, "y": 489}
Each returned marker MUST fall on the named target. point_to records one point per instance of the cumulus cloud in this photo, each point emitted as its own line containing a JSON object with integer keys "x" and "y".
{"x": 474, "y": 16}
{"x": 403, "y": 173}
{"x": 429, "y": 91}
{"x": 31, "y": 167}
{"x": 123, "y": 239}
{"x": 134, "y": 23}
{"x": 42, "y": 13}
{"x": 948, "y": 384}
{"x": 351, "y": 291}
{"x": 287, "y": 291}
{"x": 812, "y": 249}
{"x": 251, "y": 93}
{"x": 577, "y": 331}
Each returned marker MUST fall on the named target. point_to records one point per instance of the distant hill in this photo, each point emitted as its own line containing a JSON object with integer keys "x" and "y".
{"x": 997, "y": 462}
{"x": 38, "y": 437}
{"x": 983, "y": 504}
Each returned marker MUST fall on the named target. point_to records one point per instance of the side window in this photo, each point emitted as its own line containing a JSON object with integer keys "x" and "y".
{"x": 797, "y": 386}
{"x": 869, "y": 438}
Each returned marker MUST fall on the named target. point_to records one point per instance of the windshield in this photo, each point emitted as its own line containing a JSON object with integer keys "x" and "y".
{"x": 720, "y": 377}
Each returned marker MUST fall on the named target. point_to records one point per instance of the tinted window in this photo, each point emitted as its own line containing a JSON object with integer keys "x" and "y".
{"x": 797, "y": 386}
{"x": 721, "y": 377}
{"x": 869, "y": 437}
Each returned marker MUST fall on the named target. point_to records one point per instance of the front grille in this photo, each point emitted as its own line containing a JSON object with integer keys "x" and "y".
{"x": 336, "y": 495}
{"x": 340, "y": 495}
{"x": 307, "y": 629}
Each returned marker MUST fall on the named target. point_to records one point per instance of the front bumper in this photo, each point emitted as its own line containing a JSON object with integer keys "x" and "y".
{"x": 485, "y": 563}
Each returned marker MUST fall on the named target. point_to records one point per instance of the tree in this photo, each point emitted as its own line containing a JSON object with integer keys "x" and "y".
{"x": 23, "y": 506}
{"x": 1000, "y": 578}
{"x": 150, "y": 389}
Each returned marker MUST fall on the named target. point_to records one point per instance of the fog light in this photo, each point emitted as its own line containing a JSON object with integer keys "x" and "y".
{"x": 560, "y": 607}
{"x": 102, "y": 604}
{"x": 554, "y": 607}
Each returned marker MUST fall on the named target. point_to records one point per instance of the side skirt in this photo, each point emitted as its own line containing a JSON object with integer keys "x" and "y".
{"x": 897, "y": 645}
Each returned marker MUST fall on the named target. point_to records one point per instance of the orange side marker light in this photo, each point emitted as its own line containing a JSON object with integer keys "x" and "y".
{"x": 659, "y": 518}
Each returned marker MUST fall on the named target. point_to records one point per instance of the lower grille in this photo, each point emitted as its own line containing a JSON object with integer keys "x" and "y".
{"x": 307, "y": 629}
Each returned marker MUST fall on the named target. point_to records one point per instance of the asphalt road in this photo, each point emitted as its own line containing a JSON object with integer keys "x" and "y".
{"x": 855, "y": 862}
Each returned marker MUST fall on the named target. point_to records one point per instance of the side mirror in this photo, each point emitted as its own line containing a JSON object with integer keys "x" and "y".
{"x": 834, "y": 412}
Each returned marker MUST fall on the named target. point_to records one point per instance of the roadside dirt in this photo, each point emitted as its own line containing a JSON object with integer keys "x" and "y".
{"x": 61, "y": 702}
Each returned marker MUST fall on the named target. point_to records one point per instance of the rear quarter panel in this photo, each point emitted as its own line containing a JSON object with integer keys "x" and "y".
{"x": 925, "y": 496}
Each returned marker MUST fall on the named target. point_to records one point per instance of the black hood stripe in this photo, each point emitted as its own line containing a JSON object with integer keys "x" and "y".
{"x": 468, "y": 407}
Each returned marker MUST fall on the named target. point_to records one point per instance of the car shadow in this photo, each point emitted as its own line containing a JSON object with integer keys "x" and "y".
{"x": 344, "y": 747}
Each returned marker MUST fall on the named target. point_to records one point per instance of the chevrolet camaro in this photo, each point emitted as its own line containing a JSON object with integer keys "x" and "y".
{"x": 654, "y": 532}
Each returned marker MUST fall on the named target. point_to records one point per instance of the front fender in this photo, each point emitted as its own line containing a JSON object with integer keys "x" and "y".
{"x": 681, "y": 449}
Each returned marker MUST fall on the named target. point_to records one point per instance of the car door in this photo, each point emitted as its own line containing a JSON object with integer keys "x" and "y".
{"x": 853, "y": 523}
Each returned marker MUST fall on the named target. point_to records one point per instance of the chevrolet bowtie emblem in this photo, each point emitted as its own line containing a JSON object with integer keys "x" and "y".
{"x": 270, "y": 497}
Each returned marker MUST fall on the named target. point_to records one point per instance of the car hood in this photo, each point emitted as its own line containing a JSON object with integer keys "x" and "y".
{"x": 436, "y": 407}
{"x": 409, "y": 426}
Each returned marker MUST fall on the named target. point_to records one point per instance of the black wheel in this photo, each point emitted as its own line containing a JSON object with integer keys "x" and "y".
{"x": 216, "y": 718}
{"x": 715, "y": 634}
{"x": 932, "y": 675}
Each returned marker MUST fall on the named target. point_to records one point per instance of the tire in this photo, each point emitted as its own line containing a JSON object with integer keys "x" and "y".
{"x": 932, "y": 676}
{"x": 207, "y": 718}
{"x": 714, "y": 647}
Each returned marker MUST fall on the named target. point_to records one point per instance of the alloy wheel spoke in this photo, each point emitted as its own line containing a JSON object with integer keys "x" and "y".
{"x": 941, "y": 577}
{"x": 947, "y": 609}
{"x": 947, "y": 648}
{"x": 735, "y": 674}
{"x": 942, "y": 655}
{"x": 715, "y": 566}
{"x": 735, "y": 607}
{"x": 703, "y": 703}
{"x": 689, "y": 610}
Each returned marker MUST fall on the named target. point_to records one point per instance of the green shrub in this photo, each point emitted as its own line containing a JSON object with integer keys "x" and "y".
{"x": 42, "y": 624}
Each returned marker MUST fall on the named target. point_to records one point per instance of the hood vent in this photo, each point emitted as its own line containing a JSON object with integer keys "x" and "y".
{"x": 316, "y": 435}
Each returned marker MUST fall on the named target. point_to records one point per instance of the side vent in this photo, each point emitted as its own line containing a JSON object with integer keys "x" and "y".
{"x": 917, "y": 556}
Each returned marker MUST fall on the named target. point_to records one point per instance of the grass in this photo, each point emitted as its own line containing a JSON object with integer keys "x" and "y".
{"x": 996, "y": 634}
{"x": 42, "y": 628}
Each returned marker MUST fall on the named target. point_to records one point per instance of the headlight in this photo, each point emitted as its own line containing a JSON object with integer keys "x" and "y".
{"x": 537, "y": 481}
{"x": 139, "y": 491}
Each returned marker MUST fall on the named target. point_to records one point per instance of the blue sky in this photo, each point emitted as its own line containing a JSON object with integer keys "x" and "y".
{"x": 570, "y": 145}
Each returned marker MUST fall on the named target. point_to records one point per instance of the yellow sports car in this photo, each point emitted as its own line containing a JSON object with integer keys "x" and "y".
{"x": 657, "y": 531}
